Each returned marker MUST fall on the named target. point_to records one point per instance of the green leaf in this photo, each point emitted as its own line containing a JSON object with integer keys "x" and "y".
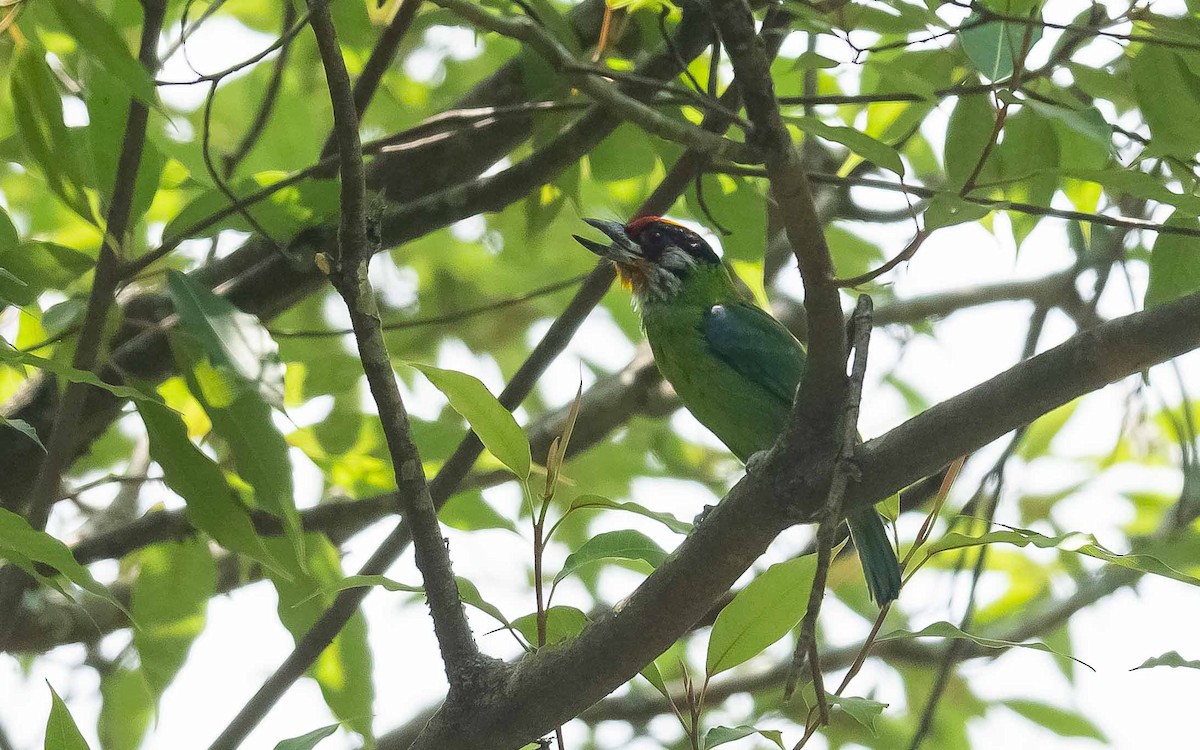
{"x": 357, "y": 581}
{"x": 211, "y": 504}
{"x": 62, "y": 733}
{"x": 1061, "y": 721}
{"x": 562, "y": 623}
{"x": 1084, "y": 136}
{"x": 232, "y": 341}
{"x": 8, "y": 234}
{"x": 12, "y": 357}
{"x": 613, "y": 545}
{"x": 469, "y": 593}
{"x": 170, "y": 602}
{"x": 494, "y": 424}
{"x": 552, "y": 21}
{"x": 993, "y": 47}
{"x": 862, "y": 710}
{"x": 594, "y": 502}
{"x": 1169, "y": 659}
{"x": 232, "y": 367}
{"x": 1037, "y": 438}
{"x": 343, "y": 670}
{"x": 875, "y": 151}
{"x": 761, "y": 613}
{"x": 1174, "y": 264}
{"x": 722, "y": 735}
{"x": 21, "y": 544}
{"x": 1119, "y": 182}
{"x": 39, "y": 115}
{"x": 968, "y": 134}
{"x": 102, "y": 43}
{"x": 946, "y": 210}
{"x": 284, "y": 214}
{"x": 468, "y": 511}
{"x": 23, "y": 427}
{"x": 1169, "y": 96}
{"x": 948, "y": 630}
{"x": 108, "y": 110}
{"x": 1082, "y": 544}
{"x": 625, "y": 154}
{"x": 809, "y": 60}
{"x": 307, "y": 741}
{"x": 126, "y": 710}
{"x": 740, "y": 206}
{"x": 38, "y": 266}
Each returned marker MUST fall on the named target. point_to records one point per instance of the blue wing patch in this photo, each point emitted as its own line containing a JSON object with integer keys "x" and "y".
{"x": 756, "y": 346}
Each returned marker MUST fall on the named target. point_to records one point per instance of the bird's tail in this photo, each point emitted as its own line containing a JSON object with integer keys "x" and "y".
{"x": 876, "y": 554}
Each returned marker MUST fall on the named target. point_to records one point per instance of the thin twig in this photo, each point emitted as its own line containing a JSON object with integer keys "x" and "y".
{"x": 267, "y": 105}
{"x": 453, "y": 317}
{"x": 806, "y": 644}
{"x": 211, "y": 167}
{"x": 588, "y": 81}
{"x": 1122, "y": 222}
{"x": 279, "y": 43}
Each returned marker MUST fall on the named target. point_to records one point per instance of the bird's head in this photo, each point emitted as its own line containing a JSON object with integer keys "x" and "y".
{"x": 653, "y": 255}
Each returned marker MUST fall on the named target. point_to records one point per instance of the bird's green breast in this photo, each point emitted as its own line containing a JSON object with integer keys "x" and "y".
{"x": 744, "y": 414}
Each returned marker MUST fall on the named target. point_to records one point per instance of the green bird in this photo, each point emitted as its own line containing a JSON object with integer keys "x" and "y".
{"x": 734, "y": 366}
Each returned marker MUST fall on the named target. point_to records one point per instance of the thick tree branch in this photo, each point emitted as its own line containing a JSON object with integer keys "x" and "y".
{"x": 635, "y": 390}
{"x": 551, "y": 686}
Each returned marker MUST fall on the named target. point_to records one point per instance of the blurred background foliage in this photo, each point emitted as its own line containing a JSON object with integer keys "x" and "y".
{"x": 1062, "y": 137}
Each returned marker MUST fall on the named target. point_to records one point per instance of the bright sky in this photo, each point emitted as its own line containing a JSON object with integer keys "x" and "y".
{"x": 1150, "y": 708}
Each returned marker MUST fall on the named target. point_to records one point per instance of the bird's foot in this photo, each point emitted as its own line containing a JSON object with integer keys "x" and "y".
{"x": 699, "y": 519}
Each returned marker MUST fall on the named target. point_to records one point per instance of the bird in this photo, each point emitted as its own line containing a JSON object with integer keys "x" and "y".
{"x": 734, "y": 366}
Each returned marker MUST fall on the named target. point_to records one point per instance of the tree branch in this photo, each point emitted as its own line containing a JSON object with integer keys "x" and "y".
{"x": 551, "y": 686}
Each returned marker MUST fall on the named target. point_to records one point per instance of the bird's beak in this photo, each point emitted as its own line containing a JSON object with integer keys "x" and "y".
{"x": 621, "y": 249}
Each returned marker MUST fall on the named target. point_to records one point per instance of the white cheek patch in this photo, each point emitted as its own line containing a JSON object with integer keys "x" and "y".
{"x": 663, "y": 279}
{"x": 675, "y": 259}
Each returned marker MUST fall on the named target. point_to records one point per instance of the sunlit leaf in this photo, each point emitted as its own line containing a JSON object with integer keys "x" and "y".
{"x": 307, "y": 741}
{"x": 1174, "y": 264}
{"x": 1061, "y": 721}
{"x": 62, "y": 733}
{"x": 875, "y": 151}
{"x": 562, "y": 623}
{"x": 344, "y": 669}
{"x": 494, "y": 424}
{"x": 613, "y": 545}
{"x": 722, "y": 735}
{"x": 762, "y": 613}
{"x": 126, "y": 710}
{"x": 596, "y": 502}
{"x": 211, "y": 503}
{"x": 21, "y": 544}
{"x": 170, "y": 601}
{"x": 103, "y": 45}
